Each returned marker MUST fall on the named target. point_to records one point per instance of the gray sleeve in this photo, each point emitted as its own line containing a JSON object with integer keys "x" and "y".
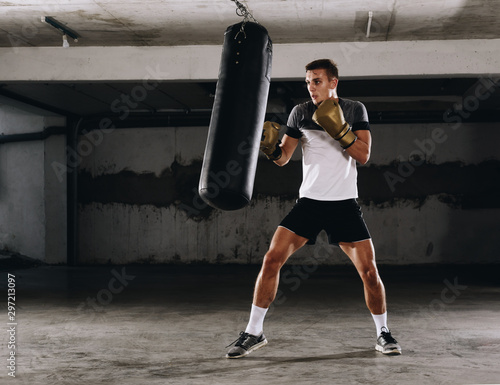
{"x": 293, "y": 124}
{"x": 360, "y": 121}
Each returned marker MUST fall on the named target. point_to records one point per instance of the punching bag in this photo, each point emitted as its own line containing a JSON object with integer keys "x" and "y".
{"x": 238, "y": 114}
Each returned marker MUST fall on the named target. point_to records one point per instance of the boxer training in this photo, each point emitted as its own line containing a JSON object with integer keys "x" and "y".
{"x": 334, "y": 134}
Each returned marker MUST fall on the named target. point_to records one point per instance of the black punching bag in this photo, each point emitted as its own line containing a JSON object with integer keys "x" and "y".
{"x": 230, "y": 160}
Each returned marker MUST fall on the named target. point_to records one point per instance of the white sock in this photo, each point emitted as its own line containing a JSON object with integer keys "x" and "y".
{"x": 256, "y": 323}
{"x": 380, "y": 322}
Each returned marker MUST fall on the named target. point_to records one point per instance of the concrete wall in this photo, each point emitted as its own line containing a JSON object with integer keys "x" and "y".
{"x": 365, "y": 59}
{"x": 32, "y": 198}
{"x": 429, "y": 194}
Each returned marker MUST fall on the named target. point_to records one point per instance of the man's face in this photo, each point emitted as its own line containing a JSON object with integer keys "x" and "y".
{"x": 319, "y": 86}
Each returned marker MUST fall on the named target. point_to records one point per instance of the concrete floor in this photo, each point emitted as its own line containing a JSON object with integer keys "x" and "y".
{"x": 170, "y": 325}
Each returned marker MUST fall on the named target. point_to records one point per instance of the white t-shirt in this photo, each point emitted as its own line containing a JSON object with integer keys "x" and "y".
{"x": 329, "y": 173}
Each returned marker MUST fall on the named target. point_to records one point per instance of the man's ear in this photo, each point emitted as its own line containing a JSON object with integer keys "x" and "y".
{"x": 334, "y": 82}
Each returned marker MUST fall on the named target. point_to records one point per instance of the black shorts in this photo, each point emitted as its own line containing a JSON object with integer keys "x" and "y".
{"x": 342, "y": 220}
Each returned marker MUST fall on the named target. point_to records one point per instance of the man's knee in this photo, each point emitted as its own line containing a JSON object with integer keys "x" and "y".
{"x": 370, "y": 276}
{"x": 274, "y": 260}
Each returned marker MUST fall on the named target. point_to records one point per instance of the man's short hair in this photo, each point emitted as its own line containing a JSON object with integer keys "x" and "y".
{"x": 329, "y": 65}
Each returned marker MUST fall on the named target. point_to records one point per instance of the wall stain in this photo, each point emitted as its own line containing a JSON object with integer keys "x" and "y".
{"x": 430, "y": 248}
{"x": 457, "y": 185}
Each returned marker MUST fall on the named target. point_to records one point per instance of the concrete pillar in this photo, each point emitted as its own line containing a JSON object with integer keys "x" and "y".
{"x": 32, "y": 200}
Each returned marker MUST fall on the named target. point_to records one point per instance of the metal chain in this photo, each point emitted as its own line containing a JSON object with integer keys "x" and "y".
{"x": 242, "y": 11}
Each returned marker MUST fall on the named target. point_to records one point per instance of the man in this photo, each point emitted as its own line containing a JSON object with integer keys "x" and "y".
{"x": 334, "y": 134}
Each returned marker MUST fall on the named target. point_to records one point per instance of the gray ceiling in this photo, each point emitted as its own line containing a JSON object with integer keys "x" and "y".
{"x": 181, "y": 22}
{"x": 188, "y": 22}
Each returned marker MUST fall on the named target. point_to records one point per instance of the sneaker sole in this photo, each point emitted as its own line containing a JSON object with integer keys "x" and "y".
{"x": 255, "y": 347}
{"x": 392, "y": 352}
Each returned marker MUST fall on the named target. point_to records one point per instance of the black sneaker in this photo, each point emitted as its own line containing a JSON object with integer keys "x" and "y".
{"x": 245, "y": 344}
{"x": 387, "y": 344}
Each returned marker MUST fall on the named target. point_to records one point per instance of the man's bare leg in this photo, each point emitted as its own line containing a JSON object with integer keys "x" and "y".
{"x": 283, "y": 244}
{"x": 362, "y": 255}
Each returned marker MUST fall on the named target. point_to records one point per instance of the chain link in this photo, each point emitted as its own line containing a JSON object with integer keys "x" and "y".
{"x": 242, "y": 11}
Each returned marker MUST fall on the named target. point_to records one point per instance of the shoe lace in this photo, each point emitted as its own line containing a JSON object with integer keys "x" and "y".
{"x": 387, "y": 336}
{"x": 239, "y": 341}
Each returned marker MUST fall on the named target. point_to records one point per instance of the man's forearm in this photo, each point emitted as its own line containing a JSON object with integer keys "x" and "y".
{"x": 360, "y": 151}
{"x": 284, "y": 158}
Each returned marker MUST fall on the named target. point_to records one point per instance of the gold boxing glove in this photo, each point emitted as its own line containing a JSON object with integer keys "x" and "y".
{"x": 270, "y": 143}
{"x": 330, "y": 117}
